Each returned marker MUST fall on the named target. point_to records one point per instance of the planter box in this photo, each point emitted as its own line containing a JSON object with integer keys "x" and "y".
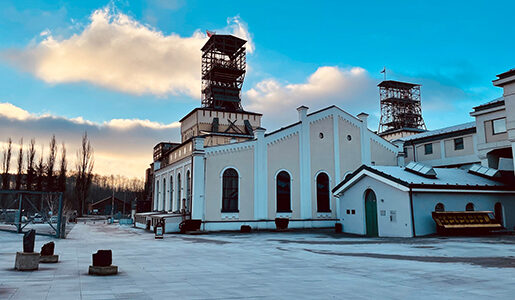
{"x": 281, "y": 223}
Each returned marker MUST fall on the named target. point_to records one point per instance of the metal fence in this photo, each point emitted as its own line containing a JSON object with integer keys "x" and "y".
{"x": 21, "y": 211}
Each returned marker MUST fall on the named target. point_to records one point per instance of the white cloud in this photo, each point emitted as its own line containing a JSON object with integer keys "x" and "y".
{"x": 122, "y": 146}
{"x": 239, "y": 28}
{"x": 118, "y": 52}
{"x": 10, "y": 111}
{"x": 352, "y": 89}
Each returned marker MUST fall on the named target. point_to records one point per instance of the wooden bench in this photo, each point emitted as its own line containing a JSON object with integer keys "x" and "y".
{"x": 465, "y": 222}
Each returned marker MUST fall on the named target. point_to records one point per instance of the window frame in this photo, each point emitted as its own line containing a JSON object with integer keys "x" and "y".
{"x": 289, "y": 210}
{"x": 456, "y": 148}
{"x": 426, "y": 152}
{"x": 328, "y": 192}
{"x": 493, "y": 126}
{"x": 238, "y": 178}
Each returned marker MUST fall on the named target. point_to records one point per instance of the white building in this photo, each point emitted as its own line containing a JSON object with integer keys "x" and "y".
{"x": 286, "y": 173}
{"x": 392, "y": 201}
{"x": 228, "y": 172}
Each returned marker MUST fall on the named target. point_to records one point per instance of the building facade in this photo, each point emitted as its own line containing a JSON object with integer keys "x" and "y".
{"x": 286, "y": 173}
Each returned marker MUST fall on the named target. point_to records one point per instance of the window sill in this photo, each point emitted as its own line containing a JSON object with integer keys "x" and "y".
{"x": 230, "y": 215}
{"x": 324, "y": 215}
{"x": 283, "y": 214}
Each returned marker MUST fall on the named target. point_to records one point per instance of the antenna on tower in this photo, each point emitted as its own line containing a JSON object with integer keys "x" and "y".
{"x": 384, "y": 72}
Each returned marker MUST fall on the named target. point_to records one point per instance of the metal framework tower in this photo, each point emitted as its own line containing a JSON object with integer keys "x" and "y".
{"x": 400, "y": 106}
{"x": 223, "y": 72}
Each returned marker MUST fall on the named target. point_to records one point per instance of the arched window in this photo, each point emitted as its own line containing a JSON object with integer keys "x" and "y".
{"x": 188, "y": 190}
{"x": 439, "y": 207}
{"x": 283, "y": 192}
{"x": 164, "y": 193}
{"x": 469, "y": 207}
{"x": 171, "y": 193}
{"x": 230, "y": 191}
{"x": 323, "y": 193}
{"x": 178, "y": 192}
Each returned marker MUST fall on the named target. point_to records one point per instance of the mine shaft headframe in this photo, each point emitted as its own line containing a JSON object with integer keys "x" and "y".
{"x": 400, "y": 106}
{"x": 223, "y": 72}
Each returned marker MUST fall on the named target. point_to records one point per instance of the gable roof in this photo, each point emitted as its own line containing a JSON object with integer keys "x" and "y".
{"x": 469, "y": 127}
{"x": 446, "y": 178}
{"x": 490, "y": 104}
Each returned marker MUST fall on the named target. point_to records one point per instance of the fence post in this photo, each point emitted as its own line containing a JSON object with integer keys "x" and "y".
{"x": 60, "y": 233}
{"x": 20, "y": 200}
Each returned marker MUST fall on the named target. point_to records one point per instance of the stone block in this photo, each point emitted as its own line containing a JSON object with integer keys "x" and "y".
{"x": 103, "y": 258}
{"x": 48, "y": 249}
{"x": 103, "y": 271}
{"x": 29, "y": 238}
{"x": 26, "y": 261}
{"x": 49, "y": 259}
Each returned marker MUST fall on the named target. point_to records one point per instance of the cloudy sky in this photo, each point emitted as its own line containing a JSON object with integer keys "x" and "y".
{"x": 127, "y": 71}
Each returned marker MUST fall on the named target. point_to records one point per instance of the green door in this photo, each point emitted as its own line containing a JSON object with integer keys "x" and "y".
{"x": 371, "y": 213}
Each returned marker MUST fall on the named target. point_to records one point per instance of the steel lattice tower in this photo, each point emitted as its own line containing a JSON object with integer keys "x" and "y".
{"x": 223, "y": 72}
{"x": 400, "y": 106}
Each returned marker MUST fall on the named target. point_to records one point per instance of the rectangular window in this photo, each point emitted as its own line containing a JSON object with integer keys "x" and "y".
{"x": 499, "y": 126}
{"x": 428, "y": 149}
{"x": 458, "y": 144}
{"x": 348, "y": 211}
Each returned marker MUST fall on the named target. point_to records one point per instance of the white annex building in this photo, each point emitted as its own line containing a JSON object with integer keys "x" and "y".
{"x": 227, "y": 171}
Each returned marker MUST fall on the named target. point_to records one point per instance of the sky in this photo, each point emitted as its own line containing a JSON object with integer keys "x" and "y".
{"x": 127, "y": 71}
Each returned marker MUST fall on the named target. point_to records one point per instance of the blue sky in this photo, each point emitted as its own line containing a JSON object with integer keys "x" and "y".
{"x": 453, "y": 48}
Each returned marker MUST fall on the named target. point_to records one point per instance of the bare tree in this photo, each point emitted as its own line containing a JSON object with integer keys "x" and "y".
{"x": 84, "y": 169}
{"x": 31, "y": 156}
{"x": 40, "y": 171}
{"x": 19, "y": 174}
{"x": 6, "y": 164}
{"x": 50, "y": 178}
{"x": 61, "y": 180}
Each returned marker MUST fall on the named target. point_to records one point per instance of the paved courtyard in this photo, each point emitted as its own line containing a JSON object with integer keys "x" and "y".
{"x": 268, "y": 265}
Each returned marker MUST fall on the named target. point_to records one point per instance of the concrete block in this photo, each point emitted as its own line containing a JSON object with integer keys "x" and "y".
{"x": 103, "y": 271}
{"x": 26, "y": 261}
{"x": 49, "y": 259}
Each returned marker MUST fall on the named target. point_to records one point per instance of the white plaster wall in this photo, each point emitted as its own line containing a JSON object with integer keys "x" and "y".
{"x": 243, "y": 162}
{"x": 350, "y": 151}
{"x": 322, "y": 159}
{"x": 382, "y": 156}
{"x": 468, "y": 146}
{"x": 420, "y": 149}
{"x": 284, "y": 155}
{"x": 388, "y": 199}
{"x": 424, "y": 204}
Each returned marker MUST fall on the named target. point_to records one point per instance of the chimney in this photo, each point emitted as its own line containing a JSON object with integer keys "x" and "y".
{"x": 303, "y": 112}
{"x": 363, "y": 117}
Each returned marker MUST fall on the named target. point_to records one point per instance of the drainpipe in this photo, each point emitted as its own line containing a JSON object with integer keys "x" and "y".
{"x": 412, "y": 215}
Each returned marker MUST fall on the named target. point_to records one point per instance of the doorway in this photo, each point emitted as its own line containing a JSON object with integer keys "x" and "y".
{"x": 371, "y": 213}
{"x": 498, "y": 213}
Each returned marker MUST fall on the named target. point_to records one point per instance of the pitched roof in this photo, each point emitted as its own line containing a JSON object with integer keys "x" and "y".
{"x": 490, "y": 104}
{"x": 446, "y": 178}
{"x": 441, "y": 131}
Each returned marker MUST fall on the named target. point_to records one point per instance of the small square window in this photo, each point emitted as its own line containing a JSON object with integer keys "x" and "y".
{"x": 458, "y": 144}
{"x": 353, "y": 211}
{"x": 348, "y": 211}
{"x": 499, "y": 126}
{"x": 428, "y": 149}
